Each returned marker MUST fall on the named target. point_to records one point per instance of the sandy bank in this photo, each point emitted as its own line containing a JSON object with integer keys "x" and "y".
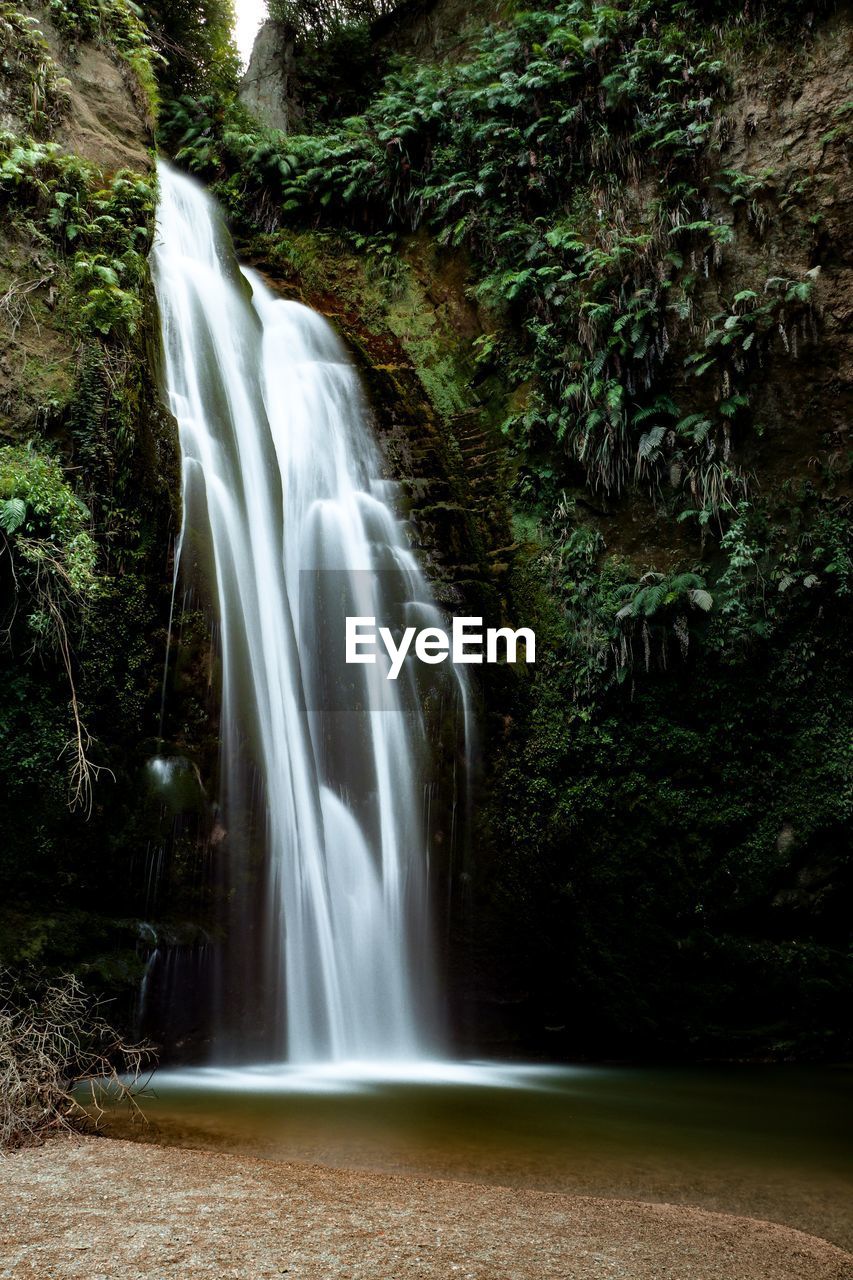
{"x": 102, "y": 1209}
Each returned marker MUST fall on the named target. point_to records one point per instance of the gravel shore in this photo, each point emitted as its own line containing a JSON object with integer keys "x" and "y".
{"x": 114, "y": 1210}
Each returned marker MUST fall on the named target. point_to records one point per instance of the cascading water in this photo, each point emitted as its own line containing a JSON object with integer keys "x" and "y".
{"x": 284, "y": 505}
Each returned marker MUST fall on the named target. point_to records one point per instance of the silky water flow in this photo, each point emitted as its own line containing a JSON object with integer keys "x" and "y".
{"x": 285, "y": 508}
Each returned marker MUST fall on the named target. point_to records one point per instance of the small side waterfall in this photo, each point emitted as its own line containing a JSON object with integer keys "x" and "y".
{"x": 284, "y": 509}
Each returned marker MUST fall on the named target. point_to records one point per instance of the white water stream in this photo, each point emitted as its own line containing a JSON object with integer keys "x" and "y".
{"x": 285, "y": 509}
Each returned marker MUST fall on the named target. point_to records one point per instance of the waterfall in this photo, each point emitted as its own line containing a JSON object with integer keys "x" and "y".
{"x": 329, "y": 955}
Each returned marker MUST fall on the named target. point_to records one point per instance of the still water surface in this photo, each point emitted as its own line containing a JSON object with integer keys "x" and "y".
{"x": 770, "y": 1142}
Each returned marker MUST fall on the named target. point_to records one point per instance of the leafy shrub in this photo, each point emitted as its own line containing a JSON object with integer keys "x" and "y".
{"x": 535, "y": 155}
{"x": 195, "y": 41}
{"x": 44, "y": 527}
{"x": 63, "y": 196}
{"x": 34, "y": 89}
{"x": 682, "y": 717}
{"x": 47, "y": 521}
{"x": 117, "y": 23}
{"x": 324, "y": 18}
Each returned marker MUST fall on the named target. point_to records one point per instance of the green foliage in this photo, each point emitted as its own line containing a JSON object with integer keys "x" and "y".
{"x": 109, "y": 307}
{"x": 34, "y": 91}
{"x": 768, "y": 575}
{"x": 532, "y": 156}
{"x": 195, "y": 39}
{"x": 29, "y": 171}
{"x": 321, "y": 19}
{"x": 121, "y": 25}
{"x": 86, "y": 511}
{"x": 46, "y": 522}
{"x": 670, "y": 862}
{"x": 682, "y": 719}
{"x": 336, "y": 74}
{"x": 52, "y": 566}
{"x": 201, "y": 132}
{"x": 61, "y": 200}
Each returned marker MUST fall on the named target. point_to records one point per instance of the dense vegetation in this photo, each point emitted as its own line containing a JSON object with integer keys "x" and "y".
{"x": 660, "y": 863}
{"x": 663, "y": 860}
{"x": 81, "y": 548}
{"x": 592, "y": 295}
{"x": 194, "y": 41}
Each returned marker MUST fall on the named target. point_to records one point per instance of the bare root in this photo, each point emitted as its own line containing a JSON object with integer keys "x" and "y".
{"x": 51, "y": 590}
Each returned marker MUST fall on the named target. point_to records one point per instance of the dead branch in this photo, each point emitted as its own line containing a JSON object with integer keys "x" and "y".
{"x": 58, "y": 1058}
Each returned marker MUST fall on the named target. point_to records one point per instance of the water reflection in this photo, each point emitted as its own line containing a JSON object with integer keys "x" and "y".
{"x": 769, "y": 1142}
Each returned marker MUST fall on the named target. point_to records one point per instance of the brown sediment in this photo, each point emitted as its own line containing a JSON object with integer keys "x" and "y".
{"x": 115, "y": 1210}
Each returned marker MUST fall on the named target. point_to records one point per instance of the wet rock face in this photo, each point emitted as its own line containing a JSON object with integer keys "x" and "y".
{"x": 107, "y": 119}
{"x": 429, "y": 29}
{"x": 99, "y": 114}
{"x": 105, "y": 123}
{"x": 264, "y": 88}
{"x": 788, "y": 125}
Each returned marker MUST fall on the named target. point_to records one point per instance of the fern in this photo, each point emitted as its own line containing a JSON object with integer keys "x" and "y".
{"x": 13, "y": 513}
